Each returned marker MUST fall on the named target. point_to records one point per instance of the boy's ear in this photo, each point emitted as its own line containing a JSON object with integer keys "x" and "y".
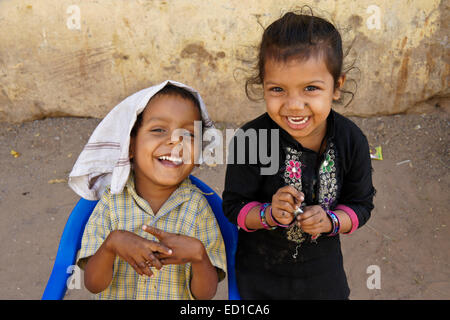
{"x": 337, "y": 90}
{"x": 132, "y": 147}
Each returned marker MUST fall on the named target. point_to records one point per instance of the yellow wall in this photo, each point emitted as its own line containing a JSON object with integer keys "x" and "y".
{"x": 81, "y": 57}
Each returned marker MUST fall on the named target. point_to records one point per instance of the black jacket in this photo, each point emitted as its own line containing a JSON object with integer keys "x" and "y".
{"x": 317, "y": 271}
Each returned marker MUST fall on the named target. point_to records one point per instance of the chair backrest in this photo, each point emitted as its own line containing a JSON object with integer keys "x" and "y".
{"x": 229, "y": 233}
{"x": 70, "y": 243}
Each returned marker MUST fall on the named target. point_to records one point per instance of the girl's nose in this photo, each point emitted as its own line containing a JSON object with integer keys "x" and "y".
{"x": 296, "y": 103}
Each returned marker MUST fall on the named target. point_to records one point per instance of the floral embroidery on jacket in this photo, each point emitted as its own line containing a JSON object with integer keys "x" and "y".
{"x": 327, "y": 187}
{"x": 327, "y": 177}
{"x": 293, "y": 177}
{"x": 293, "y": 172}
{"x": 294, "y": 169}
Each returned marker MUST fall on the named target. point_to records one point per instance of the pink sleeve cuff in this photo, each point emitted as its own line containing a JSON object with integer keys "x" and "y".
{"x": 243, "y": 214}
{"x": 351, "y": 214}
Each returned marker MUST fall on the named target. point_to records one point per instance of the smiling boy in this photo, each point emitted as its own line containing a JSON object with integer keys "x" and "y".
{"x": 160, "y": 220}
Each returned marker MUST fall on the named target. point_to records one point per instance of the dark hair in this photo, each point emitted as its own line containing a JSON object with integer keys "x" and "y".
{"x": 299, "y": 36}
{"x": 168, "y": 90}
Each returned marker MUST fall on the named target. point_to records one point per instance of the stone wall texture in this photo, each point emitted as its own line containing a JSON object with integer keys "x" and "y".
{"x": 82, "y": 57}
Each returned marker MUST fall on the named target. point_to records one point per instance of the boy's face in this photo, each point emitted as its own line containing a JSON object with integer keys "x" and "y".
{"x": 157, "y": 156}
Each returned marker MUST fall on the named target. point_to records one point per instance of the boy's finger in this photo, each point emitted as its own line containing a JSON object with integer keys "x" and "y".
{"x": 166, "y": 261}
{"x": 145, "y": 268}
{"x": 158, "y": 233}
{"x": 159, "y": 247}
{"x": 153, "y": 261}
{"x": 135, "y": 266}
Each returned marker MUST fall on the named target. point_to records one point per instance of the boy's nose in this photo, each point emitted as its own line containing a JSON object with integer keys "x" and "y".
{"x": 171, "y": 141}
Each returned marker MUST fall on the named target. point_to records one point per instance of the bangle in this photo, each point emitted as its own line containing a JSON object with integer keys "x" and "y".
{"x": 243, "y": 215}
{"x": 280, "y": 224}
{"x": 262, "y": 216}
{"x": 334, "y": 222}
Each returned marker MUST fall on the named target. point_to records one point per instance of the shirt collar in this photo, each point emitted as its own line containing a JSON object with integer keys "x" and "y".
{"x": 181, "y": 194}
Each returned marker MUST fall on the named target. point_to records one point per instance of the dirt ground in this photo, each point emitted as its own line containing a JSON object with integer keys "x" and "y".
{"x": 407, "y": 236}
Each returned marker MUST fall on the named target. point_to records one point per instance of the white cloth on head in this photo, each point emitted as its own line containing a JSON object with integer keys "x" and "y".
{"x": 105, "y": 159}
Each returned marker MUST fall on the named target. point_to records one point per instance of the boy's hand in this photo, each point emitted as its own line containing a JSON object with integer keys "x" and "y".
{"x": 137, "y": 251}
{"x": 184, "y": 248}
{"x": 284, "y": 202}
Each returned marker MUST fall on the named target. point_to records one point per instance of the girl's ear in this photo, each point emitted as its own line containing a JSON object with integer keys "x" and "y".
{"x": 339, "y": 85}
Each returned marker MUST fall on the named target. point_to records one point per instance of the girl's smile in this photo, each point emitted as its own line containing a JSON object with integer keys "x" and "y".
{"x": 297, "y": 123}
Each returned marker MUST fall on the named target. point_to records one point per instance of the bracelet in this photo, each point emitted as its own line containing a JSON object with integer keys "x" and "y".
{"x": 243, "y": 215}
{"x": 334, "y": 221}
{"x": 280, "y": 224}
{"x": 262, "y": 216}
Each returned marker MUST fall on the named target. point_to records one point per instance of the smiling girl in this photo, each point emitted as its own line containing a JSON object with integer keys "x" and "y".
{"x": 289, "y": 246}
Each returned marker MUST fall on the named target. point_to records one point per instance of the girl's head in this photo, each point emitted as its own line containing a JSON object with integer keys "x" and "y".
{"x": 300, "y": 69}
{"x": 299, "y": 36}
{"x": 162, "y": 139}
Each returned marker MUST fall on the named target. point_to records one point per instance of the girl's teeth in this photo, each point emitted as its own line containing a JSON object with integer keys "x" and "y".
{"x": 298, "y": 120}
{"x": 173, "y": 159}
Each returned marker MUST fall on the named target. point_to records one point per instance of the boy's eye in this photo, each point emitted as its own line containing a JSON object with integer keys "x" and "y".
{"x": 157, "y": 130}
{"x": 189, "y": 134}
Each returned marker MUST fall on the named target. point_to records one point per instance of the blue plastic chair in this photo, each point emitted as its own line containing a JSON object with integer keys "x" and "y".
{"x": 73, "y": 231}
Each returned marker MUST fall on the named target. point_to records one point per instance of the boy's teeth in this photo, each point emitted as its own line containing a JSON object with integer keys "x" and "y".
{"x": 173, "y": 159}
{"x": 298, "y": 120}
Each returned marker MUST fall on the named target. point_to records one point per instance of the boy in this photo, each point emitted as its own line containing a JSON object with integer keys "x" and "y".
{"x": 157, "y": 238}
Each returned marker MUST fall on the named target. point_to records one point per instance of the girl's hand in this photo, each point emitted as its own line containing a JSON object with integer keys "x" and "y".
{"x": 137, "y": 251}
{"x": 314, "y": 220}
{"x": 284, "y": 202}
{"x": 184, "y": 248}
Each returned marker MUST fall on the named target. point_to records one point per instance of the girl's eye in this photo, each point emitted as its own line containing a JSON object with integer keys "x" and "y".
{"x": 276, "y": 89}
{"x": 311, "y": 88}
{"x": 157, "y": 130}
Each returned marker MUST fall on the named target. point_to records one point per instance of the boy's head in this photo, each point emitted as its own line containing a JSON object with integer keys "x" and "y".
{"x": 162, "y": 139}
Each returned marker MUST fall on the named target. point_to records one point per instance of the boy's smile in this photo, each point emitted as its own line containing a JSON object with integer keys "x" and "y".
{"x": 159, "y": 160}
{"x": 298, "y": 96}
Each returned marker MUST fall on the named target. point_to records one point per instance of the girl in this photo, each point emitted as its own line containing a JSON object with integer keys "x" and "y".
{"x": 290, "y": 222}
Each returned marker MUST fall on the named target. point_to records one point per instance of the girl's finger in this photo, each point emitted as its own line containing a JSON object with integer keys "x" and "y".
{"x": 282, "y": 206}
{"x": 310, "y": 215}
{"x": 281, "y": 214}
{"x": 286, "y": 197}
{"x": 312, "y": 231}
{"x": 309, "y": 221}
{"x": 297, "y": 195}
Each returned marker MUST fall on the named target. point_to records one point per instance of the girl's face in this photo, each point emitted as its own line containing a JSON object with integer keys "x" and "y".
{"x": 162, "y": 150}
{"x": 298, "y": 96}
